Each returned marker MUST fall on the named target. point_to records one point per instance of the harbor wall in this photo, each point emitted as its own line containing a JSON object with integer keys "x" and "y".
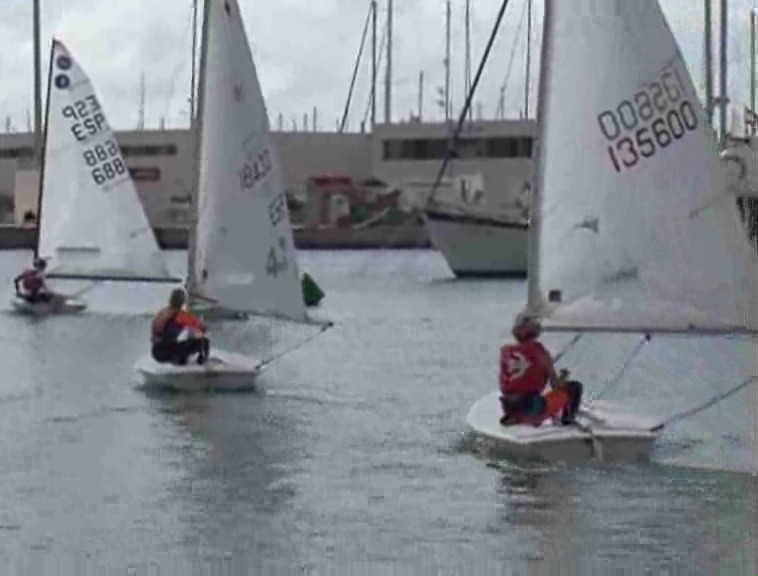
{"x": 376, "y": 237}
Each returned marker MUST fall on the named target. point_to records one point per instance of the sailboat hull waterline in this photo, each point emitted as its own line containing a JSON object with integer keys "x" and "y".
{"x": 67, "y": 306}
{"x": 224, "y": 372}
{"x": 602, "y": 432}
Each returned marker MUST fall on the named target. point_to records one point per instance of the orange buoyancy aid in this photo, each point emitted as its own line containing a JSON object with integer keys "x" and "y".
{"x": 521, "y": 369}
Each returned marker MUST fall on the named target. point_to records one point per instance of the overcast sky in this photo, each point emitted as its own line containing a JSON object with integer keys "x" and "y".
{"x": 305, "y": 51}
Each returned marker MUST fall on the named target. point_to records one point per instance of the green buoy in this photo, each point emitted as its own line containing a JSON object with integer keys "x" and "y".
{"x": 312, "y": 293}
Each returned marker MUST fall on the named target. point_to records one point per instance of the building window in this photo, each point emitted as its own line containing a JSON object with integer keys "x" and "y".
{"x": 466, "y": 148}
{"x": 13, "y": 153}
{"x": 509, "y": 148}
{"x": 160, "y": 150}
{"x": 145, "y": 174}
{"x": 525, "y": 147}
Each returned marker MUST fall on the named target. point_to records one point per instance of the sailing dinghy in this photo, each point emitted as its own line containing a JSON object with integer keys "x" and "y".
{"x": 91, "y": 222}
{"x": 632, "y": 228}
{"x": 241, "y": 257}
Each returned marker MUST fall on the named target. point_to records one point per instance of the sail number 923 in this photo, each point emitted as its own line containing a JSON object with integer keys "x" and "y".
{"x": 653, "y": 119}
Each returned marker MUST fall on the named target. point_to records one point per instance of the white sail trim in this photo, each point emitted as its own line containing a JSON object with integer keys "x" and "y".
{"x": 246, "y": 259}
{"x": 635, "y": 228}
{"x": 92, "y": 222}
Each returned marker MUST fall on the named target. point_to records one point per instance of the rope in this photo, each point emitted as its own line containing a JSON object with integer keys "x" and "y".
{"x": 462, "y": 118}
{"x": 355, "y": 71}
{"x": 713, "y": 401}
{"x": 620, "y": 375}
{"x": 568, "y": 347}
{"x": 301, "y": 344}
{"x": 516, "y": 38}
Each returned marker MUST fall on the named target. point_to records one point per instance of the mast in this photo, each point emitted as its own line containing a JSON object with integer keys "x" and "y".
{"x": 723, "y": 99}
{"x": 37, "y": 90}
{"x": 534, "y": 300}
{"x": 373, "y": 63}
{"x": 388, "y": 84}
{"x": 447, "y": 63}
{"x": 528, "y": 58}
{"x": 468, "y": 56}
{"x": 141, "y": 113}
{"x": 42, "y": 155}
{"x": 197, "y": 132}
{"x": 708, "y": 60}
{"x": 420, "y": 95}
{"x": 194, "y": 51}
{"x": 753, "y": 79}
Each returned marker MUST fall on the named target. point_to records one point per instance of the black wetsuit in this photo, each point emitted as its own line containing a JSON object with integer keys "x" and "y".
{"x": 168, "y": 349}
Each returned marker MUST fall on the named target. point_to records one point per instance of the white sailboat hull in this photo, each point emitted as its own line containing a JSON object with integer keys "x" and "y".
{"x": 224, "y": 372}
{"x": 618, "y": 436}
{"x": 479, "y": 247}
{"x": 68, "y": 306}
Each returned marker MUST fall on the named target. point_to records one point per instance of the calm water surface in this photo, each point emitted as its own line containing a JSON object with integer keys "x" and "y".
{"x": 354, "y": 455}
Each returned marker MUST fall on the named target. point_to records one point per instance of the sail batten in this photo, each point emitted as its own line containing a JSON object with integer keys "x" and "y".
{"x": 628, "y": 236}
{"x": 245, "y": 255}
{"x": 92, "y": 223}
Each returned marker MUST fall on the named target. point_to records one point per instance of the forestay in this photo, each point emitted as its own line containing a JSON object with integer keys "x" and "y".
{"x": 246, "y": 259}
{"x": 633, "y": 229}
{"x": 92, "y": 223}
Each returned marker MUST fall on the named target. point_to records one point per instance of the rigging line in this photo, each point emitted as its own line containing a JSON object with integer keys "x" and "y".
{"x": 568, "y": 347}
{"x": 177, "y": 69}
{"x": 645, "y": 339}
{"x": 462, "y": 118}
{"x": 356, "y": 69}
{"x": 512, "y": 58}
{"x": 301, "y": 344}
{"x": 379, "y": 61}
{"x": 697, "y": 409}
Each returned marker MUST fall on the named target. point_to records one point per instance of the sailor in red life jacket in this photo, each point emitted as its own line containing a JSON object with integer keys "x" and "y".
{"x": 525, "y": 370}
{"x": 32, "y": 280}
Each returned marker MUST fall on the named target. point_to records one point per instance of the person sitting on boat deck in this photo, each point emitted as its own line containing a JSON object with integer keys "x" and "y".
{"x": 526, "y": 368}
{"x": 166, "y": 327}
{"x": 32, "y": 283}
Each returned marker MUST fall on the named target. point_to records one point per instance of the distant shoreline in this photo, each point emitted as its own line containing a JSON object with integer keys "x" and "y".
{"x": 397, "y": 237}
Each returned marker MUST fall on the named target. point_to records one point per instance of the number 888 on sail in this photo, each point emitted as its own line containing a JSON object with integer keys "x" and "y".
{"x": 652, "y": 119}
{"x": 104, "y": 161}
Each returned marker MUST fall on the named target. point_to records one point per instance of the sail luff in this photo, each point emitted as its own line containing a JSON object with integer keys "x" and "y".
{"x": 197, "y": 135}
{"x": 41, "y": 175}
{"x": 534, "y": 299}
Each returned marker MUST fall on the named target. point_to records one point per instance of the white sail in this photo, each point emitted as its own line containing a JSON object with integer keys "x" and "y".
{"x": 92, "y": 223}
{"x": 635, "y": 230}
{"x": 246, "y": 258}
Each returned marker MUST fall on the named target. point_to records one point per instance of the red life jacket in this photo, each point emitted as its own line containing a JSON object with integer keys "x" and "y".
{"x": 32, "y": 281}
{"x": 520, "y": 368}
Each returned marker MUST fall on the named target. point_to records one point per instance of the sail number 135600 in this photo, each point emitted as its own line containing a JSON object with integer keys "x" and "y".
{"x": 653, "y": 119}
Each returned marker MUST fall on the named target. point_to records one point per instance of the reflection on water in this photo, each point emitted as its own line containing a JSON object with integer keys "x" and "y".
{"x": 354, "y": 455}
